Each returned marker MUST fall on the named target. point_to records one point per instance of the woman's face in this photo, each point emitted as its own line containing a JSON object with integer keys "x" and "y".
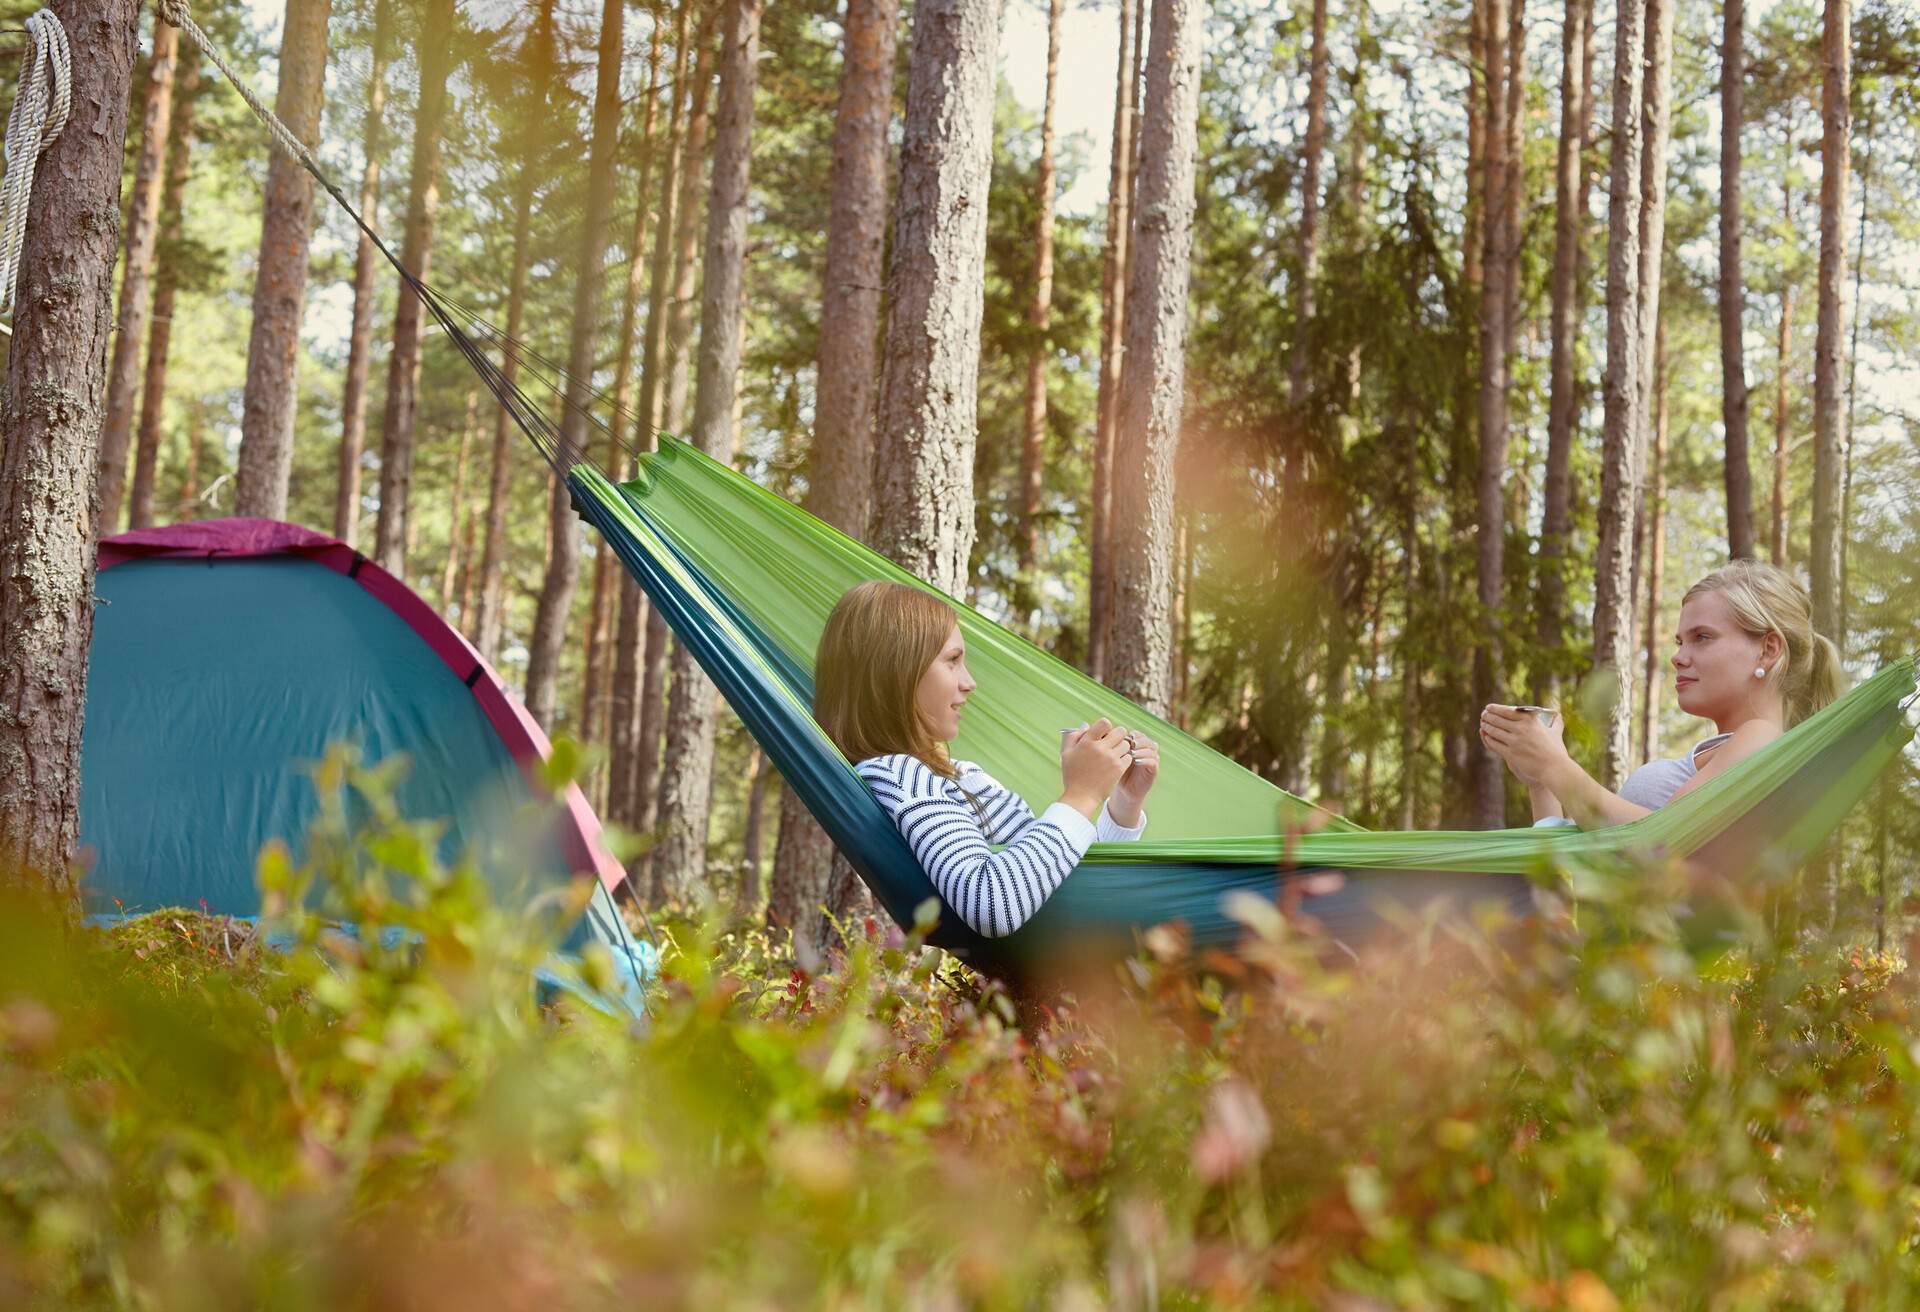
{"x": 944, "y": 689}
{"x": 1714, "y": 659}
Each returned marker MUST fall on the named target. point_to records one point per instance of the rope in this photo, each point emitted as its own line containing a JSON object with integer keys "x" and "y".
{"x": 177, "y": 13}
{"x": 40, "y": 109}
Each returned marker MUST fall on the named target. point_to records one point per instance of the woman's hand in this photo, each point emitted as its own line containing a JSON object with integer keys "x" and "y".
{"x": 1092, "y": 760}
{"x": 1130, "y": 794}
{"x": 1535, "y": 752}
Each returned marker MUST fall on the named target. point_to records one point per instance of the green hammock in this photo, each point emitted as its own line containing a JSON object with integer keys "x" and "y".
{"x": 746, "y": 581}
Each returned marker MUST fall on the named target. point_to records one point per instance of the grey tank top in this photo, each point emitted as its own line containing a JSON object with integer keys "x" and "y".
{"x": 1654, "y": 784}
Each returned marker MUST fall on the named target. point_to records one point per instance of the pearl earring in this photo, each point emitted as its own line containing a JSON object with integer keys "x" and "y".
{"x": 1759, "y": 672}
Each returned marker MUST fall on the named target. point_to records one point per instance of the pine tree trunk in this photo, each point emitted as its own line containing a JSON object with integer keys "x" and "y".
{"x": 753, "y": 832}
{"x": 608, "y": 575}
{"x": 923, "y": 467}
{"x": 849, "y": 378}
{"x": 551, "y": 622}
{"x": 1497, "y": 272}
{"x": 402, "y": 411}
{"x": 1635, "y": 229}
{"x": 1733, "y": 363}
{"x": 1473, "y": 238}
{"x": 143, "y": 221}
{"x": 459, "y": 503}
{"x": 1113, "y": 294}
{"x": 1836, "y": 76}
{"x": 49, "y": 433}
{"x": 1656, "y": 536}
{"x": 686, "y": 783}
{"x": 1570, "y": 231}
{"x": 489, "y": 615}
{"x": 631, "y": 631}
{"x": 1311, "y": 150}
{"x": 166, "y": 290}
{"x": 1033, "y": 447}
{"x": 280, "y": 281}
{"x": 1152, "y": 389}
{"x": 353, "y": 426}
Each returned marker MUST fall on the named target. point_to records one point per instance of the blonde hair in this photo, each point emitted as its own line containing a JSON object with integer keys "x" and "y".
{"x": 1766, "y": 599}
{"x": 878, "y": 643}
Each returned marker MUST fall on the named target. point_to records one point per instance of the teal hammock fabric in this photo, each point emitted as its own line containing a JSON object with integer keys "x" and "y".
{"x": 746, "y": 580}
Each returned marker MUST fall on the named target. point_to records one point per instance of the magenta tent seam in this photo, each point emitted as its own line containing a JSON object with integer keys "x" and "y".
{"x": 580, "y": 834}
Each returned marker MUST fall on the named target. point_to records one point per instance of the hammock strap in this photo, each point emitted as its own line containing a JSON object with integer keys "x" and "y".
{"x": 41, "y": 106}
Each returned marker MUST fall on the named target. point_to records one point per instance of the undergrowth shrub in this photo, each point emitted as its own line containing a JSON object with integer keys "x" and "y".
{"x": 1637, "y": 1099}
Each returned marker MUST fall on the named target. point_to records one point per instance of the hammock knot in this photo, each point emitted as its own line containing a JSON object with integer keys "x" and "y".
{"x": 176, "y": 12}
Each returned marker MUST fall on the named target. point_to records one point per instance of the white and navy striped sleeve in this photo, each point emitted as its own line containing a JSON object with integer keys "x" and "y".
{"x": 994, "y": 892}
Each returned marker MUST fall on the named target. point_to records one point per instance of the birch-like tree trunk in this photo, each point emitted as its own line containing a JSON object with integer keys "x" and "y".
{"x": 1733, "y": 302}
{"x": 1033, "y": 446}
{"x": 923, "y": 458}
{"x": 280, "y": 280}
{"x": 1829, "y": 427}
{"x": 841, "y": 460}
{"x": 1113, "y": 294}
{"x": 686, "y": 783}
{"x": 402, "y": 411}
{"x": 49, "y": 447}
{"x": 1152, "y": 388}
{"x": 366, "y": 262}
{"x": 1311, "y": 151}
{"x": 1569, "y": 238}
{"x": 136, "y": 275}
{"x": 552, "y": 614}
{"x": 1497, "y": 265}
{"x": 166, "y": 290}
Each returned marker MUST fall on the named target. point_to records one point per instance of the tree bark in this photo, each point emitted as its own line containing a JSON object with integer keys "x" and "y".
{"x": 686, "y": 783}
{"x": 166, "y": 290}
{"x": 1782, "y": 412}
{"x": 1033, "y": 447}
{"x": 403, "y": 361}
{"x": 280, "y": 282}
{"x": 1313, "y": 148}
{"x": 1733, "y": 362}
{"x": 849, "y": 377}
{"x": 458, "y": 504}
{"x": 1625, "y": 404}
{"x": 634, "y": 625}
{"x": 1569, "y": 238}
{"x": 1473, "y": 239}
{"x": 1656, "y": 536}
{"x": 551, "y": 624}
{"x": 608, "y": 576}
{"x": 1836, "y": 76}
{"x": 353, "y": 427}
{"x": 56, "y": 381}
{"x": 1113, "y": 293}
{"x": 753, "y": 832}
{"x": 143, "y": 222}
{"x": 923, "y": 460}
{"x": 1497, "y": 272}
{"x": 490, "y": 609}
{"x": 1152, "y": 390}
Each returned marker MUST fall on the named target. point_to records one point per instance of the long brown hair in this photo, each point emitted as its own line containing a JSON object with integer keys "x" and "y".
{"x": 878, "y": 643}
{"x": 1766, "y": 599}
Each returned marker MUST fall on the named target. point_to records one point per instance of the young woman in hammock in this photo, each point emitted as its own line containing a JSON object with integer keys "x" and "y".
{"x": 1746, "y": 657}
{"x": 890, "y": 686}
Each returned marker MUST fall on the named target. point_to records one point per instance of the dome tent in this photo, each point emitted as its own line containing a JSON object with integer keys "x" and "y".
{"x": 228, "y": 654}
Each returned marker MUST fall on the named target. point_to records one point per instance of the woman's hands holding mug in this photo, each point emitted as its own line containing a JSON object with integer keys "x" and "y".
{"x": 1102, "y": 761}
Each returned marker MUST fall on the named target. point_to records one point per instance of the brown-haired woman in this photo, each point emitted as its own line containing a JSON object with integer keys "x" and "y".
{"x": 890, "y": 685}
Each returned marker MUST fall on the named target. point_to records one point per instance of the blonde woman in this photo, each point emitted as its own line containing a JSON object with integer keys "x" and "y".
{"x": 890, "y": 687}
{"x": 1746, "y": 657}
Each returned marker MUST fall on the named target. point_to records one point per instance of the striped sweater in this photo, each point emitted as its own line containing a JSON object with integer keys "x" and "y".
{"x": 994, "y": 892}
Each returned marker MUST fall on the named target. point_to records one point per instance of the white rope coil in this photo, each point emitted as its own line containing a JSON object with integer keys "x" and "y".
{"x": 41, "y": 105}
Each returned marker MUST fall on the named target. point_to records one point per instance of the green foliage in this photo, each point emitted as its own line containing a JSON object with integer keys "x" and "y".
{"x": 1591, "y": 1110}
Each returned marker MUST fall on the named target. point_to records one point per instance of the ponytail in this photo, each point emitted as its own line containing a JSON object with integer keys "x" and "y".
{"x": 1825, "y": 680}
